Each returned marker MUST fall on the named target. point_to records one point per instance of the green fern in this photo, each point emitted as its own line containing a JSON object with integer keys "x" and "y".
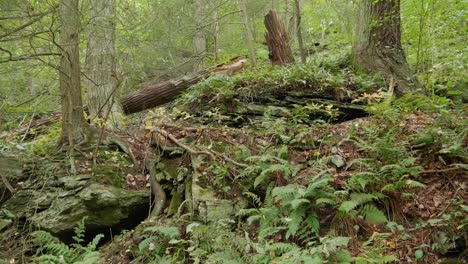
{"x": 267, "y": 165}
{"x": 372, "y": 214}
{"x": 52, "y": 250}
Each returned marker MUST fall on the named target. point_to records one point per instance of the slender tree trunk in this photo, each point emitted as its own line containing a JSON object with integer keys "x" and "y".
{"x": 73, "y": 121}
{"x": 214, "y": 9}
{"x": 378, "y": 44}
{"x": 247, "y": 32}
{"x": 277, "y": 40}
{"x": 297, "y": 11}
{"x": 101, "y": 62}
{"x": 199, "y": 38}
{"x": 286, "y": 15}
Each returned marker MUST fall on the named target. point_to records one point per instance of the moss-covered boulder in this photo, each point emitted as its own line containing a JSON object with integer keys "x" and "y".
{"x": 58, "y": 208}
{"x": 104, "y": 206}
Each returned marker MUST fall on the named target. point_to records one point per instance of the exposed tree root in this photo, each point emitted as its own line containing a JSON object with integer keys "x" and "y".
{"x": 211, "y": 154}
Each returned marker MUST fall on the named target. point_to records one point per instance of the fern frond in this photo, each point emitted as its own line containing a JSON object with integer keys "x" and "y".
{"x": 268, "y": 231}
{"x": 89, "y": 258}
{"x": 253, "y": 218}
{"x": 257, "y": 200}
{"x": 80, "y": 230}
{"x": 92, "y": 246}
{"x": 390, "y": 259}
{"x": 294, "y": 221}
{"x": 296, "y": 203}
{"x": 50, "y": 244}
{"x": 313, "y": 223}
{"x": 281, "y": 248}
{"x": 170, "y": 232}
{"x": 360, "y": 180}
{"x": 329, "y": 201}
{"x": 285, "y": 193}
{"x": 362, "y": 198}
{"x": 247, "y": 212}
{"x": 372, "y": 214}
{"x": 321, "y": 183}
{"x": 347, "y": 206}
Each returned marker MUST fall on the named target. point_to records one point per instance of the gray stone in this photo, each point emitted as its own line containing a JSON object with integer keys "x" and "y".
{"x": 104, "y": 206}
{"x": 338, "y": 161}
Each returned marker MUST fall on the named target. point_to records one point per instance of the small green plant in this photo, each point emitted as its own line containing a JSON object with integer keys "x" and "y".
{"x": 388, "y": 169}
{"x": 374, "y": 251}
{"x": 159, "y": 240}
{"x": 45, "y": 144}
{"x": 292, "y": 208}
{"x": 273, "y": 163}
{"x": 52, "y": 250}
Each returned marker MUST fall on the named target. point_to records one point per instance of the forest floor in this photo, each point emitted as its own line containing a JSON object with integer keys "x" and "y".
{"x": 255, "y": 174}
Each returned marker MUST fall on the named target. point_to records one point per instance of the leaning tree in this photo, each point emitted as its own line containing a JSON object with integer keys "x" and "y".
{"x": 378, "y": 48}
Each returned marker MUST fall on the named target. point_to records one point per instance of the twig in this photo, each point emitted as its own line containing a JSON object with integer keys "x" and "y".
{"x": 442, "y": 170}
{"x": 180, "y": 144}
{"x": 7, "y": 183}
{"x": 27, "y": 129}
{"x": 198, "y": 152}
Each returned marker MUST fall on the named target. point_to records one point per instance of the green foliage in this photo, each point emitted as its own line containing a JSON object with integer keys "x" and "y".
{"x": 325, "y": 73}
{"x": 52, "y": 250}
{"x": 293, "y": 209}
{"x": 273, "y": 163}
{"x": 46, "y": 143}
{"x": 158, "y": 239}
{"x": 388, "y": 169}
{"x": 374, "y": 251}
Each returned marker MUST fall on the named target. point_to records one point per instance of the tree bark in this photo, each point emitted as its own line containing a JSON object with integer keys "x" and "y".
{"x": 101, "y": 61}
{"x": 378, "y": 44}
{"x": 297, "y": 11}
{"x": 199, "y": 38}
{"x": 73, "y": 121}
{"x": 277, "y": 40}
{"x": 247, "y": 32}
{"x": 214, "y": 8}
{"x": 163, "y": 92}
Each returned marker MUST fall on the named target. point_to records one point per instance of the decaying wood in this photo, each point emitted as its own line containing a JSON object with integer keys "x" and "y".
{"x": 277, "y": 40}
{"x": 163, "y": 92}
{"x": 34, "y": 124}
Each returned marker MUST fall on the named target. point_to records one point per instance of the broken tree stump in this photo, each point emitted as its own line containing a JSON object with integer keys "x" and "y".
{"x": 277, "y": 39}
{"x": 166, "y": 91}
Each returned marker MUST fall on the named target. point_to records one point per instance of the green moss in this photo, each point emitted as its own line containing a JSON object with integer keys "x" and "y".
{"x": 109, "y": 175}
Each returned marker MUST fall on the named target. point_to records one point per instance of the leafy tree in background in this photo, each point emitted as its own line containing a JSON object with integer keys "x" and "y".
{"x": 378, "y": 44}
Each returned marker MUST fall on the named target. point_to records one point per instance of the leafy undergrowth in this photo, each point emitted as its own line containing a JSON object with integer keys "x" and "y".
{"x": 307, "y": 187}
{"x": 390, "y": 188}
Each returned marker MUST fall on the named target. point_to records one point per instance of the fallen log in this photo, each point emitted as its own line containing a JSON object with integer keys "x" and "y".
{"x": 163, "y": 92}
{"x": 33, "y": 124}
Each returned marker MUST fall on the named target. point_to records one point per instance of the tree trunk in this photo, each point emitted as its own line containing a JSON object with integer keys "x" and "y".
{"x": 247, "y": 32}
{"x": 163, "y": 92}
{"x": 214, "y": 8}
{"x": 199, "y": 38}
{"x": 297, "y": 11}
{"x": 378, "y": 44}
{"x": 277, "y": 40}
{"x": 73, "y": 121}
{"x": 101, "y": 61}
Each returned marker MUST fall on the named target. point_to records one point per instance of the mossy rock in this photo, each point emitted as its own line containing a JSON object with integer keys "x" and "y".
{"x": 104, "y": 207}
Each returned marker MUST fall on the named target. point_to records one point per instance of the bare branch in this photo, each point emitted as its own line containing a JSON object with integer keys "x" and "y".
{"x": 39, "y": 17}
{"x": 27, "y": 57}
